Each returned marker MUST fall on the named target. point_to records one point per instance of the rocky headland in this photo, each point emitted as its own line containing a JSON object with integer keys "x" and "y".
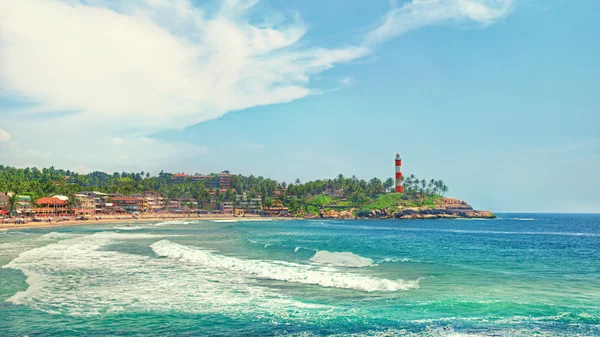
{"x": 444, "y": 208}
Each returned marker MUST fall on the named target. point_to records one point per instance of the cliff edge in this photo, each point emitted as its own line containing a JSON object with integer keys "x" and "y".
{"x": 444, "y": 208}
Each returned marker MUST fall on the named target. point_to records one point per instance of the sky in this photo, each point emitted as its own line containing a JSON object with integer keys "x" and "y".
{"x": 497, "y": 98}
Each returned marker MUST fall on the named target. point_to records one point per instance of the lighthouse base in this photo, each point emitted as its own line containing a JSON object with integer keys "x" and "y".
{"x": 399, "y": 189}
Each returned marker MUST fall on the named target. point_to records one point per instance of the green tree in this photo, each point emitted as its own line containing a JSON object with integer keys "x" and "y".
{"x": 12, "y": 201}
{"x": 388, "y": 184}
{"x": 72, "y": 202}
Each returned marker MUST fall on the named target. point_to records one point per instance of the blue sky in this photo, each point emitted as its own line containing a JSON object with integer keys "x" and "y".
{"x": 497, "y": 98}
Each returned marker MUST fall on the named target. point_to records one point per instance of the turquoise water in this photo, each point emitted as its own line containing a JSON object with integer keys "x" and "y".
{"x": 520, "y": 275}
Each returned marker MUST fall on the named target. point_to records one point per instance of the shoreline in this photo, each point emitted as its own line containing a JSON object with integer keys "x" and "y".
{"x": 113, "y": 220}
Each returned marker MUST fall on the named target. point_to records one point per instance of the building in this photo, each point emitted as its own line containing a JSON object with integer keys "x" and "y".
{"x": 226, "y": 207}
{"x": 129, "y": 204}
{"x": 336, "y": 193}
{"x": 51, "y": 206}
{"x": 276, "y": 209}
{"x": 155, "y": 201}
{"x": 252, "y": 205}
{"x": 23, "y": 205}
{"x": 99, "y": 200}
{"x": 4, "y": 205}
{"x": 174, "y": 206}
{"x": 179, "y": 177}
{"x": 398, "y": 166}
{"x": 224, "y": 180}
{"x": 210, "y": 181}
{"x": 85, "y": 204}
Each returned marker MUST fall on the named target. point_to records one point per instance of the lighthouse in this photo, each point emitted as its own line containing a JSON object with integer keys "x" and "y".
{"x": 398, "y": 162}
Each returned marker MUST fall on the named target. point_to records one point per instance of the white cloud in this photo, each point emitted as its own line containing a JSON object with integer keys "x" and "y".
{"x": 347, "y": 80}
{"x": 4, "y": 136}
{"x": 158, "y": 64}
{"x": 418, "y": 13}
{"x": 123, "y": 70}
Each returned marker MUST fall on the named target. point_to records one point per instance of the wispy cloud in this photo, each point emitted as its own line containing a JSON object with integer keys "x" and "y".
{"x": 347, "y": 80}
{"x": 4, "y": 136}
{"x": 418, "y": 13}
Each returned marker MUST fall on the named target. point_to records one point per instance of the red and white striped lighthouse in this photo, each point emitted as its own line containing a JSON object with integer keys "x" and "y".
{"x": 399, "y": 188}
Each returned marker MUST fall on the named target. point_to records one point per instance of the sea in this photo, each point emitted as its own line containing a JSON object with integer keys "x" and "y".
{"x": 518, "y": 275}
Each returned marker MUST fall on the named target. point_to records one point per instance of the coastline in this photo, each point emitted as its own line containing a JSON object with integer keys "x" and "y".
{"x": 113, "y": 220}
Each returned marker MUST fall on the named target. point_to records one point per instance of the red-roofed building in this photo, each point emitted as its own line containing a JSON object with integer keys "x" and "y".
{"x": 179, "y": 177}
{"x": 51, "y": 206}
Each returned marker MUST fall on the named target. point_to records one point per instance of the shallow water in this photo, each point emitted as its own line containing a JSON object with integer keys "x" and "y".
{"x": 520, "y": 275}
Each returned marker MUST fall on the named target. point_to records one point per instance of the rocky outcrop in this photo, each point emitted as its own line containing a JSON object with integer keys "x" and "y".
{"x": 446, "y": 208}
{"x": 333, "y": 214}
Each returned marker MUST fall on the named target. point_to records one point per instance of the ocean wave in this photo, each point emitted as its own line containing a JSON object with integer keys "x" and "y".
{"x": 171, "y": 222}
{"x": 57, "y": 235}
{"x": 341, "y": 259}
{"x": 392, "y": 260}
{"x": 131, "y": 228}
{"x": 78, "y": 278}
{"x": 289, "y": 273}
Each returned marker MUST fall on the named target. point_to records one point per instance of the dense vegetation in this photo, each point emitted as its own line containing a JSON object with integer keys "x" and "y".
{"x": 309, "y": 197}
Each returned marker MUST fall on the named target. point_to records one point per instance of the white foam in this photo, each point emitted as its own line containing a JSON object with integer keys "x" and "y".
{"x": 171, "y": 222}
{"x": 134, "y": 228}
{"x": 298, "y": 273}
{"x": 392, "y": 260}
{"x": 77, "y": 277}
{"x": 341, "y": 259}
{"x": 57, "y": 235}
{"x": 224, "y": 221}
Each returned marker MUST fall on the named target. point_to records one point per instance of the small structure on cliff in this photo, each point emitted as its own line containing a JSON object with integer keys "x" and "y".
{"x": 398, "y": 166}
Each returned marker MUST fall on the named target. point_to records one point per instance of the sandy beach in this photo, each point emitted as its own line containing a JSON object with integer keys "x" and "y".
{"x": 121, "y": 219}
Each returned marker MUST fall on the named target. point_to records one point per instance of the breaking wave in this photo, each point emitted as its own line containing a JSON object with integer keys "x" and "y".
{"x": 57, "y": 235}
{"x": 390, "y": 260}
{"x": 342, "y": 259}
{"x": 171, "y": 222}
{"x": 77, "y": 277}
{"x": 293, "y": 273}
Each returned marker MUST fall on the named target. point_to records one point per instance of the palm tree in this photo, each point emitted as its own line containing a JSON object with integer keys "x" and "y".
{"x": 431, "y": 187}
{"x": 444, "y": 188}
{"x": 71, "y": 203}
{"x": 12, "y": 201}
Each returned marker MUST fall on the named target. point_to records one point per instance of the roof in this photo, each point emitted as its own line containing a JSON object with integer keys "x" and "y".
{"x": 126, "y": 199}
{"x": 50, "y": 201}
